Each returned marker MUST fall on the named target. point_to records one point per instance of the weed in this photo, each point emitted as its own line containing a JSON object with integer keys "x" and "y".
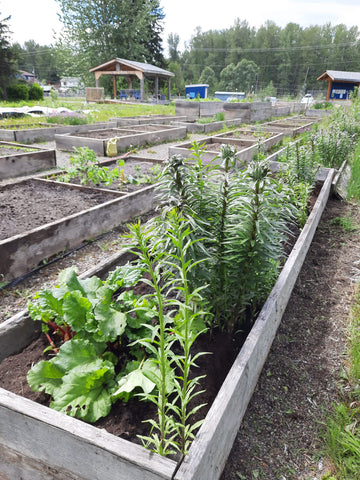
{"x": 346, "y": 223}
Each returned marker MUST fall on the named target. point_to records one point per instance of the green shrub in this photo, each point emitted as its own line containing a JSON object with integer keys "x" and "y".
{"x": 323, "y": 106}
{"x": 68, "y": 118}
{"x": 36, "y": 92}
{"x": 18, "y": 92}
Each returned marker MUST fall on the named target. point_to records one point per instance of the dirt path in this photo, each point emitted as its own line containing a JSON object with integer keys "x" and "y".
{"x": 280, "y": 437}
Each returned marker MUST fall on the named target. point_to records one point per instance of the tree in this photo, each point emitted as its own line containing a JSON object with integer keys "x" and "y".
{"x": 173, "y": 41}
{"x": 246, "y": 73}
{"x": 104, "y": 29}
{"x": 208, "y": 77}
{"x": 41, "y": 60}
{"x": 227, "y": 78}
{"x": 177, "y": 83}
{"x": 7, "y": 57}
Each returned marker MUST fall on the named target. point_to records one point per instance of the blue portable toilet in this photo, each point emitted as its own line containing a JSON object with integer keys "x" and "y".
{"x": 201, "y": 90}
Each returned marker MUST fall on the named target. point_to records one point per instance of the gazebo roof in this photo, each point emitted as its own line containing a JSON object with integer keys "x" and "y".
{"x": 340, "y": 76}
{"x": 119, "y": 65}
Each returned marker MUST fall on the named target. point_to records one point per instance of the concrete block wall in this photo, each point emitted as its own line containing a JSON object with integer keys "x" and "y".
{"x": 246, "y": 112}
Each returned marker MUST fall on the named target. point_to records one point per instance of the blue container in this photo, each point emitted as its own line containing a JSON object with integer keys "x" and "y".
{"x": 199, "y": 90}
{"x": 226, "y": 96}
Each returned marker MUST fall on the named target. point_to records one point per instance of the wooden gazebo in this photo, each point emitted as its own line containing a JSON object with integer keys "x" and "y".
{"x": 131, "y": 70}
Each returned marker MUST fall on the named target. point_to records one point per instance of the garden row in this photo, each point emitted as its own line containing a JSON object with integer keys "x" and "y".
{"x": 177, "y": 243}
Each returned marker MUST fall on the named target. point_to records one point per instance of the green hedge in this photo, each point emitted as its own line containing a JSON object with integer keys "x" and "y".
{"x": 21, "y": 91}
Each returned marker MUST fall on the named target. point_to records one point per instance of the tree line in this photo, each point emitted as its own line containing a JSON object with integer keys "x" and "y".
{"x": 269, "y": 60}
{"x": 285, "y": 61}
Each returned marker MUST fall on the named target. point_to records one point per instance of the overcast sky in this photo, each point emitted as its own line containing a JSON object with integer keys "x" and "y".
{"x": 37, "y": 19}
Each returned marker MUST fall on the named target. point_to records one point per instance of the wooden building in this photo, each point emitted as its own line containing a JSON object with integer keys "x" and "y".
{"x": 131, "y": 70}
{"x": 340, "y": 84}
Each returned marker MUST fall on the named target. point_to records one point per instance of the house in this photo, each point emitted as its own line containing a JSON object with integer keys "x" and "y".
{"x": 340, "y": 84}
{"x": 29, "y": 77}
{"x": 70, "y": 85}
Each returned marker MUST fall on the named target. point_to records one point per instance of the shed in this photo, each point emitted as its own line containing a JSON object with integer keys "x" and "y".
{"x": 340, "y": 84}
{"x": 200, "y": 89}
{"x": 131, "y": 70}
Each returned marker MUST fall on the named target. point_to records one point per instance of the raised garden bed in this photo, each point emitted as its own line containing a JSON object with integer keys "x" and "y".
{"x": 213, "y": 126}
{"x": 289, "y": 127}
{"x": 17, "y": 159}
{"x": 135, "y": 136}
{"x": 29, "y": 428}
{"x": 245, "y": 148}
{"x": 153, "y": 119}
{"x": 41, "y": 132}
{"x": 41, "y": 218}
{"x": 267, "y": 139}
{"x": 136, "y": 173}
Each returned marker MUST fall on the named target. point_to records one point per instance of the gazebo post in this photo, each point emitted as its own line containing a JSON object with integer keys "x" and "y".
{"x": 142, "y": 88}
{"x": 114, "y": 86}
{"x": 168, "y": 88}
{"x": 156, "y": 87}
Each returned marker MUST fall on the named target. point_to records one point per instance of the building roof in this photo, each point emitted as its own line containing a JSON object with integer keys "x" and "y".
{"x": 28, "y": 74}
{"x": 119, "y": 64}
{"x": 340, "y": 76}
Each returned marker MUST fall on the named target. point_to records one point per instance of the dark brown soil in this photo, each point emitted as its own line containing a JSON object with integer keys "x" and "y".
{"x": 118, "y": 132}
{"x": 126, "y": 420}
{"x": 30, "y": 204}
{"x": 104, "y": 133}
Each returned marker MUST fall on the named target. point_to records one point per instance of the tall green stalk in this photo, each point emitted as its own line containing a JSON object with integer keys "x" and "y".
{"x": 152, "y": 257}
{"x": 188, "y": 325}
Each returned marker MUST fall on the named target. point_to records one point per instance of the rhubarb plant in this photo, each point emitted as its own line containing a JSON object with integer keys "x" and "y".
{"x": 81, "y": 377}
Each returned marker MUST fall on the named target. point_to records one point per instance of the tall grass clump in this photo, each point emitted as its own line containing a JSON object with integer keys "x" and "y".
{"x": 343, "y": 425}
{"x": 353, "y": 192}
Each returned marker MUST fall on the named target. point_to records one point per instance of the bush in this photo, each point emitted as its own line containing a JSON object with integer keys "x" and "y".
{"x": 323, "y": 105}
{"x": 68, "y": 118}
{"x": 18, "y": 92}
{"x": 36, "y": 92}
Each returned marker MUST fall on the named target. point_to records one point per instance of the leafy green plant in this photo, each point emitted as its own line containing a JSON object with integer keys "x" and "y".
{"x": 334, "y": 146}
{"x": 81, "y": 376}
{"x": 179, "y": 321}
{"x": 353, "y": 192}
{"x": 240, "y": 218}
{"x": 36, "y": 92}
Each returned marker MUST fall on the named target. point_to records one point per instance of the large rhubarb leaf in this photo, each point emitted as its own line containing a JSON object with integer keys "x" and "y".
{"x": 134, "y": 380}
{"x": 45, "y": 377}
{"x": 84, "y": 391}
